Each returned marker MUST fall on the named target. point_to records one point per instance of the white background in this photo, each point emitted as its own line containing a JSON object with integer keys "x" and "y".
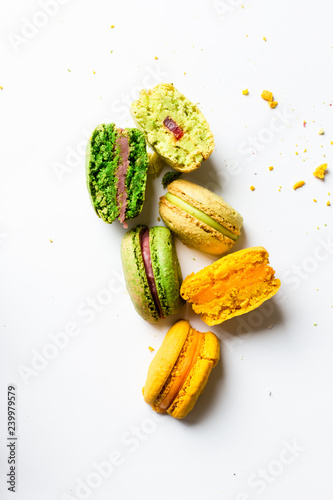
{"x": 263, "y": 426}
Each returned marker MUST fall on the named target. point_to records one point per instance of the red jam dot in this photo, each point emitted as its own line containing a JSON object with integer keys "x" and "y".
{"x": 173, "y": 127}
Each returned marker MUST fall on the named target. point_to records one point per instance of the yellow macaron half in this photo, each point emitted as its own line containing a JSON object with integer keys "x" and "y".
{"x": 180, "y": 369}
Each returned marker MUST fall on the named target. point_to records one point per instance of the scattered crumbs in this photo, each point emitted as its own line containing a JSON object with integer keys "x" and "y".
{"x": 94, "y": 72}
{"x": 264, "y": 38}
{"x": 245, "y": 92}
{"x": 321, "y": 131}
{"x": 112, "y": 26}
{"x": 305, "y": 150}
{"x": 304, "y": 123}
{"x": 51, "y": 241}
{"x": 273, "y": 104}
{"x": 314, "y": 199}
{"x": 111, "y": 51}
{"x": 252, "y": 188}
{"x": 331, "y": 141}
{"x": 69, "y": 70}
{"x": 155, "y": 58}
{"x": 315, "y": 324}
{"x": 151, "y": 348}
{"x": 267, "y": 95}
{"x": 296, "y": 153}
{"x": 320, "y": 171}
{"x": 1, "y": 88}
{"x": 270, "y": 168}
{"x": 328, "y": 203}
{"x": 298, "y": 184}
{"x": 184, "y": 73}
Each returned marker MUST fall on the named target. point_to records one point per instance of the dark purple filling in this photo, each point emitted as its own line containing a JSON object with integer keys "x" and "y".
{"x": 145, "y": 250}
{"x": 173, "y": 127}
{"x": 122, "y": 144}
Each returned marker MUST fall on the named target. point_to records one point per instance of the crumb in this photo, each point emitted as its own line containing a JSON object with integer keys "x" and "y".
{"x": 112, "y": 26}
{"x": 245, "y": 92}
{"x": 328, "y": 203}
{"x": 151, "y": 348}
{"x": 331, "y": 141}
{"x": 69, "y": 70}
{"x": 252, "y": 188}
{"x": 298, "y": 184}
{"x": 296, "y": 153}
{"x": 270, "y": 168}
{"x": 315, "y": 324}
{"x": 94, "y": 72}
{"x": 158, "y": 219}
{"x": 267, "y": 95}
{"x": 314, "y": 199}
{"x": 320, "y": 171}
{"x": 305, "y": 150}
{"x": 1, "y": 88}
{"x": 184, "y": 73}
{"x": 264, "y": 38}
{"x": 273, "y": 104}
{"x": 321, "y": 131}
{"x": 304, "y": 123}
{"x": 155, "y": 58}
{"x": 51, "y": 241}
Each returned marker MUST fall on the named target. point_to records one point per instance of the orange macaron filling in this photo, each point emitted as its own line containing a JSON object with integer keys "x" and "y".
{"x": 181, "y": 370}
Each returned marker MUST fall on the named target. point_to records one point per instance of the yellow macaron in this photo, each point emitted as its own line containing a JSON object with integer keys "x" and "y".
{"x": 180, "y": 369}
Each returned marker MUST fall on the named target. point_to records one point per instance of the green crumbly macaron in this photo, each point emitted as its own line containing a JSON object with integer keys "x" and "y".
{"x": 174, "y": 127}
{"x": 116, "y": 169}
{"x": 152, "y": 272}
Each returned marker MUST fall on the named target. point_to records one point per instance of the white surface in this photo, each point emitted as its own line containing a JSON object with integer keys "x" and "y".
{"x": 273, "y": 388}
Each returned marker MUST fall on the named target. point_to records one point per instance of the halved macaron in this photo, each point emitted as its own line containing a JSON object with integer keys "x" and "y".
{"x": 152, "y": 272}
{"x": 199, "y": 217}
{"x": 231, "y": 286}
{"x": 173, "y": 126}
{"x": 116, "y": 170}
{"x": 180, "y": 369}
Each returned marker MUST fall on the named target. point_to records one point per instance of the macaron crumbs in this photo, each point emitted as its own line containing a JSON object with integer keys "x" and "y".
{"x": 298, "y": 185}
{"x": 320, "y": 171}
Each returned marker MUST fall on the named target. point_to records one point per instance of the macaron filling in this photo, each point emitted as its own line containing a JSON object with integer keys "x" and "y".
{"x": 146, "y": 257}
{"x": 123, "y": 146}
{"x": 181, "y": 372}
{"x": 201, "y": 216}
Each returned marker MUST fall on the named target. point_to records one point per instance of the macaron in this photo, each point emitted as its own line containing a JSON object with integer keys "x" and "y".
{"x": 116, "y": 171}
{"x": 199, "y": 217}
{"x": 231, "y": 286}
{"x": 152, "y": 272}
{"x": 173, "y": 126}
{"x": 180, "y": 369}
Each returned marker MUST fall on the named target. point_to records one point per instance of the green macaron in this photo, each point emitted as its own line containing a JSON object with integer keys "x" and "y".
{"x": 116, "y": 170}
{"x": 152, "y": 272}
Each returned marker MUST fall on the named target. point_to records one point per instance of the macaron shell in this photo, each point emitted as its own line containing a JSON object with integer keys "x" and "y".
{"x": 164, "y": 360}
{"x": 167, "y": 273}
{"x": 235, "y": 298}
{"x": 193, "y": 232}
{"x": 191, "y": 390}
{"x": 135, "y": 275}
{"x": 208, "y": 202}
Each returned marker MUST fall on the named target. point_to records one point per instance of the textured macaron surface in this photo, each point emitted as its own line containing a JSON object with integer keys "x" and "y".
{"x": 163, "y": 105}
{"x": 180, "y": 369}
{"x": 231, "y": 286}
{"x": 116, "y": 169}
{"x": 166, "y": 270}
{"x": 199, "y": 233}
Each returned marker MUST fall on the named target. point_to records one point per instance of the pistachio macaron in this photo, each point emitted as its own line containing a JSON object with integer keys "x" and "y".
{"x": 180, "y": 369}
{"x": 116, "y": 171}
{"x": 173, "y": 126}
{"x": 199, "y": 217}
{"x": 152, "y": 272}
